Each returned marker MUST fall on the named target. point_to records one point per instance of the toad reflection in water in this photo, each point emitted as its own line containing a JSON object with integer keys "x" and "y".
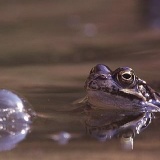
{"x": 15, "y": 119}
{"x": 119, "y": 104}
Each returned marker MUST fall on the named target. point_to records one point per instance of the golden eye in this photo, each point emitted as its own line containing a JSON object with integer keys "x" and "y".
{"x": 126, "y": 78}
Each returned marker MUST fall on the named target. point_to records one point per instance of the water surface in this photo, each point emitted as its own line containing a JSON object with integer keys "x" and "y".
{"x": 51, "y": 95}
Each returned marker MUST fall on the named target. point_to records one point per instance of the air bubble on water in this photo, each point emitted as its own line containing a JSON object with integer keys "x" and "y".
{"x": 20, "y": 106}
{"x": 15, "y": 116}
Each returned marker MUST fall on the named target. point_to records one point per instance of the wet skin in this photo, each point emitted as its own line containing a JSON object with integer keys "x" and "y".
{"x": 120, "y": 90}
{"x": 121, "y": 104}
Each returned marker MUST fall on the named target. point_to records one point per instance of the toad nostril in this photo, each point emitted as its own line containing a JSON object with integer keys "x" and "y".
{"x": 103, "y": 77}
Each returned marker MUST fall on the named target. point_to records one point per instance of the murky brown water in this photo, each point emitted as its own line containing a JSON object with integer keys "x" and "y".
{"x": 56, "y": 90}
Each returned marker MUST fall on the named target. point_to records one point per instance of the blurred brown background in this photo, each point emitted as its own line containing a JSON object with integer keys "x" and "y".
{"x": 58, "y": 31}
{"x": 68, "y": 37}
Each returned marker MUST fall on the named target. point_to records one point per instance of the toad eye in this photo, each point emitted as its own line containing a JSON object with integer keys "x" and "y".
{"x": 126, "y": 78}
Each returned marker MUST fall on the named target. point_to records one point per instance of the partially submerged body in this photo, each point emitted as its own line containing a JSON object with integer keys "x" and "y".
{"x": 118, "y": 102}
{"x": 120, "y": 89}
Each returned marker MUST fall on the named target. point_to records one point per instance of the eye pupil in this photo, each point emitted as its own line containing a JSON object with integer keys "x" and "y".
{"x": 126, "y": 76}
